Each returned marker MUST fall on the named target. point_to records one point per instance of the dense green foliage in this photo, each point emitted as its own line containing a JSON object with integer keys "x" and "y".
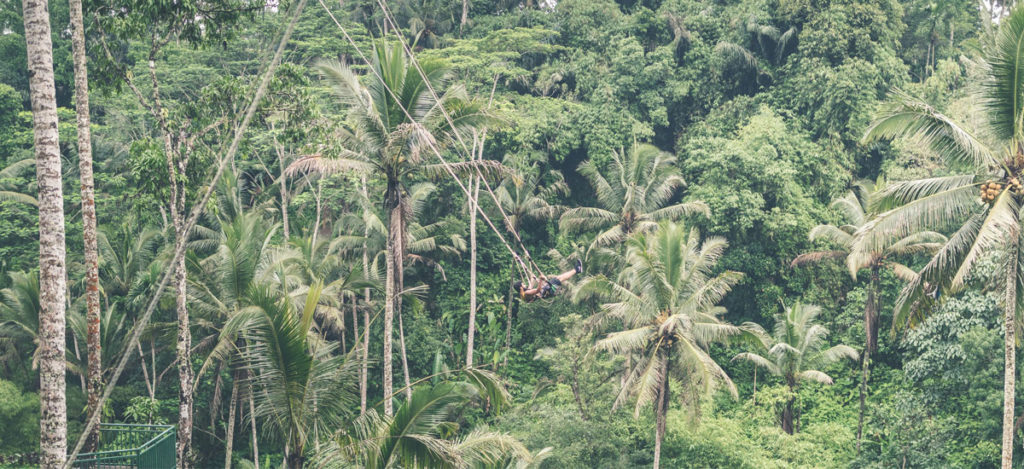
{"x": 686, "y": 151}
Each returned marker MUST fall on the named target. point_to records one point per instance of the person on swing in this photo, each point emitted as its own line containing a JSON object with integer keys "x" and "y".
{"x": 545, "y": 287}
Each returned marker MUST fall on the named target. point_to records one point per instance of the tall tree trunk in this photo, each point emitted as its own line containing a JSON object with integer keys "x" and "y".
{"x": 871, "y": 309}
{"x": 474, "y": 185}
{"x": 391, "y": 287}
{"x": 252, "y": 423}
{"x": 865, "y": 367}
{"x": 405, "y": 359}
{"x": 1010, "y": 346}
{"x": 465, "y": 15}
{"x": 660, "y": 414}
{"x": 184, "y": 351}
{"x": 92, "y": 276}
{"x": 366, "y": 315}
{"x": 229, "y": 437}
{"x": 52, "y": 284}
{"x": 787, "y": 412}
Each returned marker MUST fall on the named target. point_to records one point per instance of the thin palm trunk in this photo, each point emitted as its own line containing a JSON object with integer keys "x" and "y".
{"x": 252, "y": 423}
{"x": 366, "y": 316}
{"x": 474, "y": 185}
{"x": 871, "y": 309}
{"x": 405, "y": 359}
{"x": 465, "y": 14}
{"x": 1009, "y": 370}
{"x": 52, "y": 284}
{"x": 394, "y": 223}
{"x": 92, "y": 279}
{"x": 865, "y": 370}
{"x": 229, "y": 437}
{"x": 787, "y": 412}
{"x": 660, "y": 415}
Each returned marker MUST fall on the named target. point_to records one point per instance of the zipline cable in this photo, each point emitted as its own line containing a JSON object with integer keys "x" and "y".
{"x": 430, "y": 141}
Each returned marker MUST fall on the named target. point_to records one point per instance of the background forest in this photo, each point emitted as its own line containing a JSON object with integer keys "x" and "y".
{"x": 706, "y": 161}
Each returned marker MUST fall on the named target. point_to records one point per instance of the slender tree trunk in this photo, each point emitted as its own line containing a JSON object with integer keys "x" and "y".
{"x": 252, "y": 423}
{"x": 52, "y": 284}
{"x": 391, "y": 287}
{"x": 474, "y": 185}
{"x": 405, "y": 359}
{"x": 660, "y": 415}
{"x": 356, "y": 339}
{"x": 508, "y": 319}
{"x": 229, "y": 437}
{"x": 92, "y": 278}
{"x": 1009, "y": 370}
{"x": 366, "y": 315}
{"x": 865, "y": 373}
{"x": 465, "y": 15}
{"x": 754, "y": 394}
{"x": 871, "y": 309}
{"x": 787, "y": 412}
{"x": 184, "y": 349}
{"x": 344, "y": 346}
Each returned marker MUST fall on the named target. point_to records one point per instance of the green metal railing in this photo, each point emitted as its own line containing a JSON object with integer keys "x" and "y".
{"x": 129, "y": 446}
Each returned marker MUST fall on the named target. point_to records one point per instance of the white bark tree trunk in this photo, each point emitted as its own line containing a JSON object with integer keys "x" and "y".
{"x": 474, "y": 185}
{"x": 185, "y": 373}
{"x": 366, "y": 318}
{"x": 229, "y": 437}
{"x": 92, "y": 279}
{"x": 1010, "y": 345}
{"x": 390, "y": 293}
{"x": 52, "y": 283}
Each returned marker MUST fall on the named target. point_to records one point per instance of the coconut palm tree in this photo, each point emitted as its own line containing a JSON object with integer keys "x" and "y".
{"x": 13, "y": 170}
{"x": 300, "y": 384}
{"x": 666, "y": 297}
{"x": 389, "y": 139}
{"x": 19, "y": 320}
{"x": 423, "y": 247}
{"x": 632, "y": 197}
{"x": 857, "y": 210}
{"x": 796, "y": 352}
{"x": 991, "y": 159}
{"x": 419, "y": 436}
{"x": 53, "y": 419}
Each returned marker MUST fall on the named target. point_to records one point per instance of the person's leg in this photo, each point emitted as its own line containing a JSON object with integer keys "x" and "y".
{"x": 566, "y": 275}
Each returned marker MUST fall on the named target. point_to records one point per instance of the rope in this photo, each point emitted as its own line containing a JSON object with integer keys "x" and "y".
{"x": 430, "y": 141}
{"x": 508, "y": 223}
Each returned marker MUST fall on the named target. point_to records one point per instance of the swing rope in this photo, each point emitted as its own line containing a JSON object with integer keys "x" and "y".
{"x": 430, "y": 141}
{"x": 508, "y": 223}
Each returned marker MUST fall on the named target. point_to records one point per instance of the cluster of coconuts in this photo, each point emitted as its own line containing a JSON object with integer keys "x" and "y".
{"x": 990, "y": 190}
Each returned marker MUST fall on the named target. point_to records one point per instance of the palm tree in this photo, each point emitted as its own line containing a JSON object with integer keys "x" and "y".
{"x": 418, "y": 435}
{"x": 12, "y": 170}
{"x": 422, "y": 246}
{"x": 796, "y": 352}
{"x": 388, "y": 140}
{"x": 52, "y": 271}
{"x": 666, "y": 297}
{"x": 633, "y": 197}
{"x": 995, "y": 163}
{"x": 19, "y": 319}
{"x": 300, "y": 384}
{"x": 857, "y": 210}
